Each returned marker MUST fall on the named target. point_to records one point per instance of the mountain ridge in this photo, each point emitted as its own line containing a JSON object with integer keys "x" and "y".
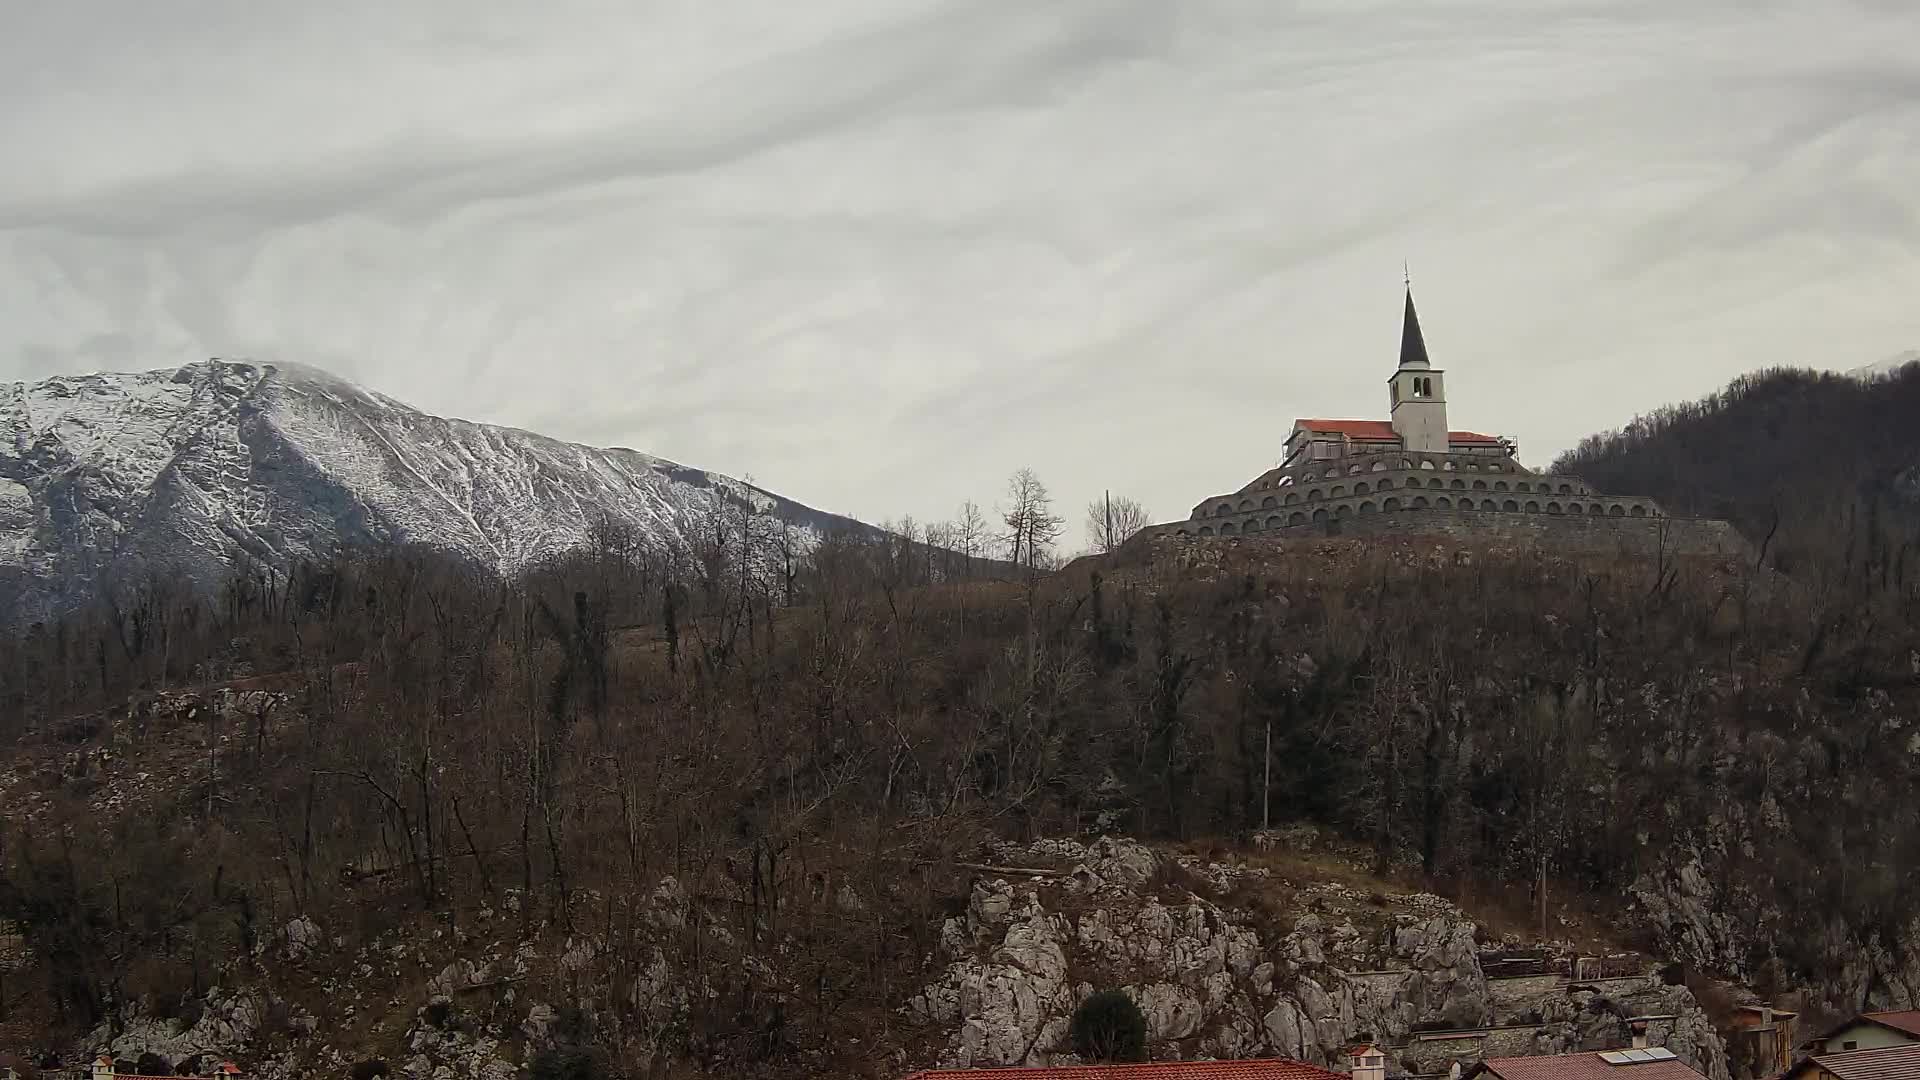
{"x": 1889, "y": 366}
{"x": 183, "y": 470}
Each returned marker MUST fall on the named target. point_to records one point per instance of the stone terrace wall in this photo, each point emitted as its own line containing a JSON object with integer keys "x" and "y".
{"x": 1638, "y": 535}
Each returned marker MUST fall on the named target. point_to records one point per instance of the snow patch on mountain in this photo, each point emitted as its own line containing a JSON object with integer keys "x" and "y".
{"x": 183, "y": 470}
{"x": 1887, "y": 366}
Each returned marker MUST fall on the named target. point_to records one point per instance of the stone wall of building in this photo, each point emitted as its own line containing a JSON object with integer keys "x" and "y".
{"x": 1595, "y": 533}
{"x": 1386, "y": 491}
{"x": 1637, "y": 535}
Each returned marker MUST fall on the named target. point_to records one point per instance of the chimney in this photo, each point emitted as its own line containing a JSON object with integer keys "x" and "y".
{"x": 103, "y": 1068}
{"x": 1369, "y": 1062}
{"x": 1639, "y": 1029}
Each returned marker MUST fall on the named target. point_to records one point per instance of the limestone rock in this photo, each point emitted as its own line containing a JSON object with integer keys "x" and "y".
{"x": 539, "y": 1021}
{"x": 227, "y": 1024}
{"x": 459, "y": 975}
{"x": 300, "y": 939}
{"x": 668, "y": 906}
{"x": 1006, "y": 1000}
{"x": 1286, "y": 1026}
{"x": 1172, "y": 1012}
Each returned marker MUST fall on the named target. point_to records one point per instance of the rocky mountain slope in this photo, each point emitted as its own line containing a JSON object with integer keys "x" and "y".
{"x": 183, "y": 471}
{"x": 1228, "y": 958}
{"x": 1228, "y": 954}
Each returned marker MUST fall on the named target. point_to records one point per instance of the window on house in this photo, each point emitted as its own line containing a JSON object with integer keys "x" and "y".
{"x": 1850, "y": 1045}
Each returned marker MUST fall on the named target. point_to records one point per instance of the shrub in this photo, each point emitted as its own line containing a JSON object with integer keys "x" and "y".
{"x": 152, "y": 1064}
{"x": 572, "y": 1025}
{"x": 1108, "y": 1026}
{"x": 438, "y": 1013}
{"x": 369, "y": 1069}
{"x": 568, "y": 1063}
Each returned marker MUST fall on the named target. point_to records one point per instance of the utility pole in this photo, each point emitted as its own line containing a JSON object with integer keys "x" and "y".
{"x": 1543, "y": 896}
{"x": 1266, "y": 779}
{"x": 1106, "y": 539}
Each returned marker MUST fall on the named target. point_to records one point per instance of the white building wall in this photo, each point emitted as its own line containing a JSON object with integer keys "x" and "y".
{"x": 1420, "y": 419}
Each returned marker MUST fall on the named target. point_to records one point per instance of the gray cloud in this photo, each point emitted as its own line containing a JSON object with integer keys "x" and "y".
{"x": 877, "y": 254}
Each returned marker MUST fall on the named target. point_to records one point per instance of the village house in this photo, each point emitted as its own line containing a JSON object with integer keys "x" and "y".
{"x": 1900, "y": 1061}
{"x": 1640, "y": 1063}
{"x": 1760, "y": 1040}
{"x": 1871, "y": 1031}
{"x": 1264, "y": 1069}
{"x": 103, "y": 1069}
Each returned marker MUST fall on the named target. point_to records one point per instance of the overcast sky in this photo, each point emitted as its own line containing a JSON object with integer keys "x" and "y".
{"x": 878, "y": 253}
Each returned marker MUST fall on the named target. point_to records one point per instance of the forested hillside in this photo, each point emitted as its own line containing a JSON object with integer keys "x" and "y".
{"x": 398, "y": 747}
{"x": 798, "y": 753}
{"x": 1823, "y": 469}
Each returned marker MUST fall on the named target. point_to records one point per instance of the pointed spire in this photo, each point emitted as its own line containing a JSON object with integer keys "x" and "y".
{"x": 1413, "y": 346}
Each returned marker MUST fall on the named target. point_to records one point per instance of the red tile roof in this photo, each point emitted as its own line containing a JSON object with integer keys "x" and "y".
{"x": 1582, "y": 1067}
{"x": 1907, "y": 1020}
{"x": 1269, "y": 1069}
{"x": 1363, "y": 430}
{"x": 1382, "y": 431}
{"x": 1885, "y": 1063}
{"x": 227, "y": 1068}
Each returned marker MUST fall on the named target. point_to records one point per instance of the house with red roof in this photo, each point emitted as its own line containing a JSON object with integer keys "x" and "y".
{"x": 1265, "y": 1069}
{"x": 1639, "y": 1063}
{"x": 1897, "y": 1061}
{"x": 103, "y": 1069}
{"x": 1871, "y": 1031}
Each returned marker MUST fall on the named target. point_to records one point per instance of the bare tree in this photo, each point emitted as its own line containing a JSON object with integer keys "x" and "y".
{"x": 1112, "y": 520}
{"x": 1032, "y": 526}
{"x": 969, "y": 535}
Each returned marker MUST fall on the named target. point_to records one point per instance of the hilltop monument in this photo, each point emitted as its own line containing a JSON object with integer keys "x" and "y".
{"x": 1412, "y": 473}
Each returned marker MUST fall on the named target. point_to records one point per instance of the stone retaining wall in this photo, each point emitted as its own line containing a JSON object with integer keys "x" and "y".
{"x": 1644, "y": 536}
{"x": 1598, "y": 533}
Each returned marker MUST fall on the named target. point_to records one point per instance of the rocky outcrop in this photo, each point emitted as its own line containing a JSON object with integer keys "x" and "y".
{"x": 226, "y": 1026}
{"x": 1705, "y": 920}
{"x": 1214, "y": 981}
{"x": 1224, "y": 959}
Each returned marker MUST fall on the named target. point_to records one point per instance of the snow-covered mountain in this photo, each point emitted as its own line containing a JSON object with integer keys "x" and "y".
{"x": 1887, "y": 366}
{"x": 181, "y": 470}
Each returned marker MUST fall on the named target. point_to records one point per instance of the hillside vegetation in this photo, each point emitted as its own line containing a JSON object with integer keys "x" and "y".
{"x": 403, "y": 750}
{"x": 1823, "y": 469}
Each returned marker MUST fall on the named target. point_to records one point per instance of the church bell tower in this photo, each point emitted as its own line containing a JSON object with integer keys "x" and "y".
{"x": 1419, "y": 391}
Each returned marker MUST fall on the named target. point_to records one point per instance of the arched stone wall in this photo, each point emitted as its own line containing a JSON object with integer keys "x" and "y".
{"x": 1247, "y": 510}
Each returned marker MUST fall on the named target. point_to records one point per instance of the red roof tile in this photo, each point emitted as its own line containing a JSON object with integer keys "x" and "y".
{"x": 1885, "y": 1063}
{"x": 1382, "y": 431}
{"x": 1907, "y": 1020}
{"x": 1352, "y": 429}
{"x": 1269, "y": 1069}
{"x": 1582, "y": 1067}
